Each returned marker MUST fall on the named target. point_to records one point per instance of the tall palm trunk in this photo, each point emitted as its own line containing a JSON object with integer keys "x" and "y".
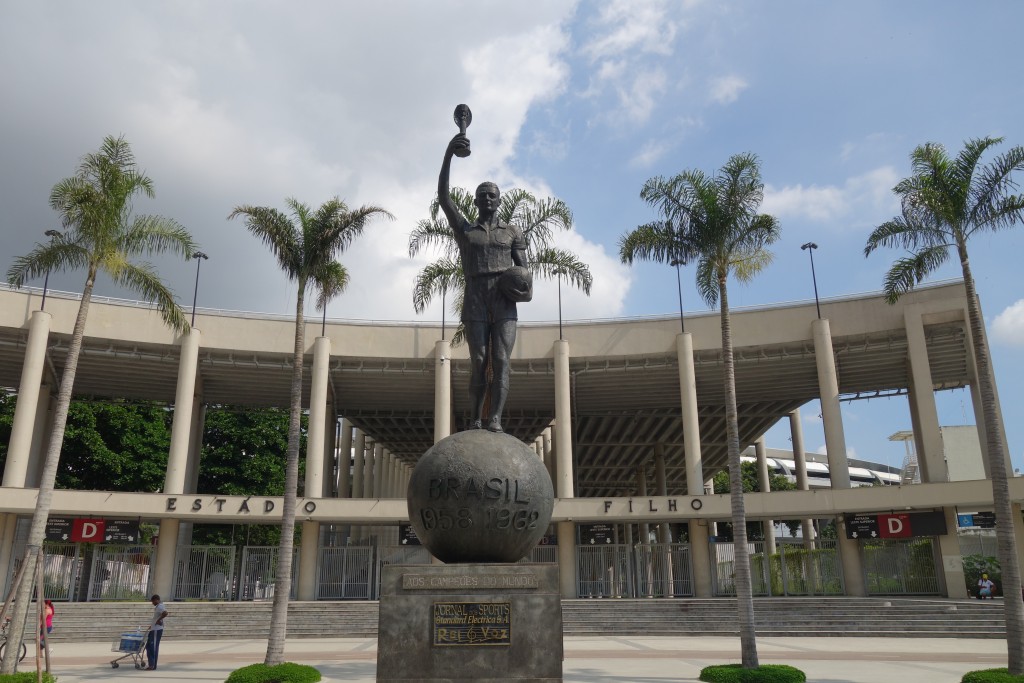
{"x": 286, "y": 549}
{"x": 1005, "y": 543}
{"x": 741, "y": 566}
{"x": 37, "y": 530}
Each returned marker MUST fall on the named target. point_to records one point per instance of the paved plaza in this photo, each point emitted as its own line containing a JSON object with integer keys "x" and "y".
{"x": 587, "y": 659}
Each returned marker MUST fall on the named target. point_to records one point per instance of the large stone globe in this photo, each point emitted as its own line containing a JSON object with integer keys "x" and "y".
{"x": 480, "y": 496}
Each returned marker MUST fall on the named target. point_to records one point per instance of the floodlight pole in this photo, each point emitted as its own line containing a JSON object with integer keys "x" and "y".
{"x": 809, "y": 248}
{"x": 199, "y": 257}
{"x": 46, "y": 281}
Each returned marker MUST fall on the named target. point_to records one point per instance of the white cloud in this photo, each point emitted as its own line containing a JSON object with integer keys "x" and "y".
{"x": 810, "y": 417}
{"x": 868, "y": 192}
{"x": 727, "y": 89}
{"x": 1008, "y": 326}
{"x": 626, "y": 25}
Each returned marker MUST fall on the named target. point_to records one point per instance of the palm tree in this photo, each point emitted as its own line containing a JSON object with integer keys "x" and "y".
{"x": 946, "y": 202}
{"x": 100, "y": 234}
{"x": 535, "y": 217}
{"x": 306, "y": 246}
{"x": 714, "y": 219}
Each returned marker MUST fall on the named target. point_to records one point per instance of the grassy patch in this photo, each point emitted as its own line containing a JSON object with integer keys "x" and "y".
{"x": 766, "y": 673}
{"x": 286, "y": 672}
{"x": 991, "y": 676}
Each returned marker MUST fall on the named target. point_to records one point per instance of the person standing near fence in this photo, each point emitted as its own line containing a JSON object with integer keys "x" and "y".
{"x": 156, "y": 632}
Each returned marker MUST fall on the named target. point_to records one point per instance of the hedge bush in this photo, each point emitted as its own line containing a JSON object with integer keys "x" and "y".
{"x": 991, "y": 676}
{"x": 766, "y": 673}
{"x": 26, "y": 677}
{"x": 286, "y": 672}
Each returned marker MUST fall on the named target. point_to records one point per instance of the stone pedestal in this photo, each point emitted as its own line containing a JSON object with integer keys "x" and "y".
{"x": 469, "y": 623}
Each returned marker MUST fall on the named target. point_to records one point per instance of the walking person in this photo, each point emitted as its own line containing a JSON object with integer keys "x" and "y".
{"x": 48, "y": 613}
{"x": 156, "y": 632}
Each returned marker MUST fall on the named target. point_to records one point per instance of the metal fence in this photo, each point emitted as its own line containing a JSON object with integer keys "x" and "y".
{"x": 795, "y": 570}
{"x": 61, "y": 566}
{"x": 258, "y": 572}
{"x": 663, "y": 570}
{"x": 120, "y": 572}
{"x": 204, "y": 572}
{"x": 978, "y": 543}
{"x": 344, "y": 573}
{"x": 900, "y": 567}
{"x": 604, "y": 571}
{"x": 723, "y": 574}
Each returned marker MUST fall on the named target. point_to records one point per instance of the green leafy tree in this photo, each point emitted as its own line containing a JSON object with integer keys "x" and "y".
{"x": 306, "y": 246}
{"x": 100, "y": 234}
{"x": 945, "y": 202}
{"x": 714, "y": 219}
{"x": 117, "y": 446}
{"x": 537, "y": 218}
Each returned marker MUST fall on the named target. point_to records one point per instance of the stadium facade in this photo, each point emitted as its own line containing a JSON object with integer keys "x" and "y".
{"x": 628, "y": 415}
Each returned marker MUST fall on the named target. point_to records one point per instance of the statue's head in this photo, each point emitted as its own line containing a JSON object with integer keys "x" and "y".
{"x": 487, "y": 197}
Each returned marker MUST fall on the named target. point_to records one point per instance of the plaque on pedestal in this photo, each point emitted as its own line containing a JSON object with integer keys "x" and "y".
{"x": 471, "y": 623}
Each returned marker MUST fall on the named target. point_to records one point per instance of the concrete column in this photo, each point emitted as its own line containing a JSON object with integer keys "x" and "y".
{"x": 195, "y": 456}
{"x": 315, "y": 482}
{"x": 177, "y": 461}
{"x": 442, "y": 389}
{"x": 952, "y": 561}
{"x": 331, "y": 427}
{"x": 764, "y": 483}
{"x": 378, "y": 470}
{"x": 930, "y": 457}
{"x": 661, "y": 482}
{"x": 181, "y": 426}
{"x": 41, "y": 431}
{"x": 358, "y": 474}
{"x": 317, "y": 418}
{"x": 641, "y": 491}
{"x": 835, "y": 444}
{"x": 358, "y": 462}
{"x": 368, "y": 469}
{"x": 698, "y": 529}
{"x": 831, "y": 415}
{"x": 796, "y": 431}
{"x": 344, "y": 458}
{"x": 549, "y": 454}
{"x": 564, "y": 475}
{"x": 32, "y": 368}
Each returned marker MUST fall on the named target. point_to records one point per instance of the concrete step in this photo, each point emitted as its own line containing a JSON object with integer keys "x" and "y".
{"x": 801, "y": 617}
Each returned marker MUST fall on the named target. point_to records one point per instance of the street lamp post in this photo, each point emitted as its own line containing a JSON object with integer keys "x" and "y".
{"x": 809, "y": 248}
{"x": 199, "y": 257}
{"x": 679, "y": 286}
{"x": 46, "y": 281}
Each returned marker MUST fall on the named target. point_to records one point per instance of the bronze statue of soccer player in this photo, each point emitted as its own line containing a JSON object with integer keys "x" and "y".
{"x": 493, "y": 257}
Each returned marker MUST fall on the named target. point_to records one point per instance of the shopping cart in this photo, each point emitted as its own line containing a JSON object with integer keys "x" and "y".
{"x": 131, "y": 644}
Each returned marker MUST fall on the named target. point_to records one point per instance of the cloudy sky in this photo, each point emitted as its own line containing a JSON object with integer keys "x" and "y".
{"x": 231, "y": 103}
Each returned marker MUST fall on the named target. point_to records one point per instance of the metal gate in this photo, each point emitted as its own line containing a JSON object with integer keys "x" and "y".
{"x": 61, "y": 564}
{"x": 723, "y": 575}
{"x": 604, "y": 571}
{"x": 259, "y": 571}
{"x": 204, "y": 572}
{"x": 900, "y": 567}
{"x": 120, "y": 572}
{"x": 664, "y": 570}
{"x": 344, "y": 573}
{"x": 795, "y": 570}
{"x": 61, "y": 568}
{"x": 398, "y": 554}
